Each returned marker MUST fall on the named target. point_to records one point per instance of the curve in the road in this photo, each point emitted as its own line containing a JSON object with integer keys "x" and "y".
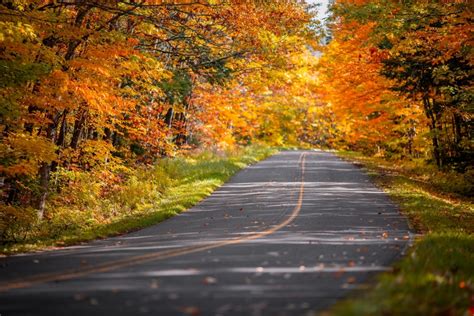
{"x": 135, "y": 260}
{"x": 287, "y": 236}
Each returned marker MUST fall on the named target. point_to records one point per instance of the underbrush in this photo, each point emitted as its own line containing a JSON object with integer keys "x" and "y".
{"x": 88, "y": 205}
{"x": 437, "y": 277}
{"x": 447, "y": 182}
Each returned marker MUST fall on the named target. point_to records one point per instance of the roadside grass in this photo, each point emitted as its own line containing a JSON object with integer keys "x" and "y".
{"x": 437, "y": 276}
{"x": 147, "y": 197}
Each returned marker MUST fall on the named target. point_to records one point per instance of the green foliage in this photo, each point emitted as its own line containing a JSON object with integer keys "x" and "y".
{"x": 15, "y": 73}
{"x": 177, "y": 88}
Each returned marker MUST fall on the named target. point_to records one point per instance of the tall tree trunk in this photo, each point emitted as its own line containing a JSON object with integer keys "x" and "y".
{"x": 44, "y": 173}
{"x": 60, "y": 141}
{"x": 169, "y": 117}
{"x": 182, "y": 137}
{"x": 78, "y": 127}
{"x": 457, "y": 129}
{"x": 115, "y": 139}
{"x": 45, "y": 170}
{"x": 107, "y": 134}
{"x": 433, "y": 125}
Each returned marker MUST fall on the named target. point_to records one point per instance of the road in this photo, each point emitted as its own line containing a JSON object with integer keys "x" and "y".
{"x": 290, "y": 235}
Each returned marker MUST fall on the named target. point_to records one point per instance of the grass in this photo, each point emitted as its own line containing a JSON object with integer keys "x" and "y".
{"x": 147, "y": 197}
{"x": 437, "y": 277}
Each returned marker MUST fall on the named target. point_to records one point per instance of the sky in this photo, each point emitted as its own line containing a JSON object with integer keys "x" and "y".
{"x": 322, "y": 12}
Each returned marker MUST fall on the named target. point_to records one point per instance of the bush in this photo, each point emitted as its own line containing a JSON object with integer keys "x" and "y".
{"x": 16, "y": 224}
{"x": 99, "y": 202}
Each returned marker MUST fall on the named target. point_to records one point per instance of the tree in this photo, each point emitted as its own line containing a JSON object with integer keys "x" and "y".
{"x": 425, "y": 51}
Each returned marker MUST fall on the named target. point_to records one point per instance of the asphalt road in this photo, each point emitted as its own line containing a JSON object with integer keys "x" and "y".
{"x": 290, "y": 235}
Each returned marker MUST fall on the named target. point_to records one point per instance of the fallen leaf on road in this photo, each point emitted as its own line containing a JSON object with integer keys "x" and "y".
{"x": 153, "y": 284}
{"x": 210, "y": 280}
{"x": 351, "y": 280}
{"x": 190, "y": 310}
{"x": 339, "y": 273}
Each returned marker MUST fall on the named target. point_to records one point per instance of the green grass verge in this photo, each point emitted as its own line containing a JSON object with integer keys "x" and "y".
{"x": 437, "y": 276}
{"x": 150, "y": 196}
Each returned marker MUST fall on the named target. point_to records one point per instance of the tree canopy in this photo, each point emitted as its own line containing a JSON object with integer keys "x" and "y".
{"x": 400, "y": 77}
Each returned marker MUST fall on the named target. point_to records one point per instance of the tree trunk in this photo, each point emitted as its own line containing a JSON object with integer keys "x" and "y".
{"x": 457, "y": 129}
{"x": 169, "y": 117}
{"x": 44, "y": 173}
{"x": 78, "y": 126}
{"x": 62, "y": 130}
{"x": 45, "y": 170}
{"x": 433, "y": 125}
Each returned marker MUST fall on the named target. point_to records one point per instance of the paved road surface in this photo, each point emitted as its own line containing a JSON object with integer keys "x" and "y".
{"x": 290, "y": 235}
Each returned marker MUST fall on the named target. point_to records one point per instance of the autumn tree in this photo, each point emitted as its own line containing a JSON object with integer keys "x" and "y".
{"x": 424, "y": 51}
{"x": 85, "y": 83}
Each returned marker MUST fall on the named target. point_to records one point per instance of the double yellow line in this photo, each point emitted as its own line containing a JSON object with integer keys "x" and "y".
{"x": 126, "y": 262}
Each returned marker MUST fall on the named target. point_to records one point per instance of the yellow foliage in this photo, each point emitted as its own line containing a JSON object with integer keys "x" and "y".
{"x": 22, "y": 154}
{"x": 16, "y": 31}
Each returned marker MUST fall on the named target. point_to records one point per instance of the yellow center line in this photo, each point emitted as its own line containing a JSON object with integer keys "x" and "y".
{"x": 126, "y": 262}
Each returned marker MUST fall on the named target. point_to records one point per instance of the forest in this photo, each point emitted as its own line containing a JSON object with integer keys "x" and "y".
{"x": 116, "y": 115}
{"x": 105, "y": 104}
